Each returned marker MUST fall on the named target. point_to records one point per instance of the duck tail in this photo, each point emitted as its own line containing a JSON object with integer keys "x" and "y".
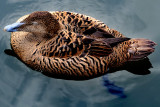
{"x": 139, "y": 62}
{"x": 140, "y": 48}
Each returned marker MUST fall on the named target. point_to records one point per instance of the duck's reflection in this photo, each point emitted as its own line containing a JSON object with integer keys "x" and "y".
{"x": 140, "y": 67}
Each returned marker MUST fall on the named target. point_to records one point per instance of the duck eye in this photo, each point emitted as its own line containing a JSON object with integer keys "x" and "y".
{"x": 35, "y": 23}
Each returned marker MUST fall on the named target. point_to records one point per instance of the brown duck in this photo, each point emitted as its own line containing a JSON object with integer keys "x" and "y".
{"x": 68, "y": 45}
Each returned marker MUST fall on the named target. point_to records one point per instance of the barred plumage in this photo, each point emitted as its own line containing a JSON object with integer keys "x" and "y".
{"x": 68, "y": 45}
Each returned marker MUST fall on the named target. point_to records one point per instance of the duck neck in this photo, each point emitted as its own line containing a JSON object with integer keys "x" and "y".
{"x": 24, "y": 44}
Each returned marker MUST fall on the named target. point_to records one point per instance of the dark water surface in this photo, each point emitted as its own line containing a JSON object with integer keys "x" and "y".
{"x": 22, "y": 87}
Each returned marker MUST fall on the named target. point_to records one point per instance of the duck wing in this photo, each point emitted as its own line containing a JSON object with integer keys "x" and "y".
{"x": 67, "y": 44}
{"x": 83, "y": 24}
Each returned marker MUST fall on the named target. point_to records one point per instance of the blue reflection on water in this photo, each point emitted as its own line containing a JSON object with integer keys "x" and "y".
{"x": 112, "y": 88}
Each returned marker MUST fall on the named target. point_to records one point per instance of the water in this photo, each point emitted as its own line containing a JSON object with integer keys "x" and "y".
{"x": 22, "y": 87}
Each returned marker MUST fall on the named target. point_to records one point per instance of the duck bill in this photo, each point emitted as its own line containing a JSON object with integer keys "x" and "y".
{"x": 13, "y": 27}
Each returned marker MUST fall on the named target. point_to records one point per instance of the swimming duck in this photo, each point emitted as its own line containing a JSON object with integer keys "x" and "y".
{"x": 73, "y": 46}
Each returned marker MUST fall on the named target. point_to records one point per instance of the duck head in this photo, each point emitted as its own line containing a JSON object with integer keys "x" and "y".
{"x": 37, "y": 22}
